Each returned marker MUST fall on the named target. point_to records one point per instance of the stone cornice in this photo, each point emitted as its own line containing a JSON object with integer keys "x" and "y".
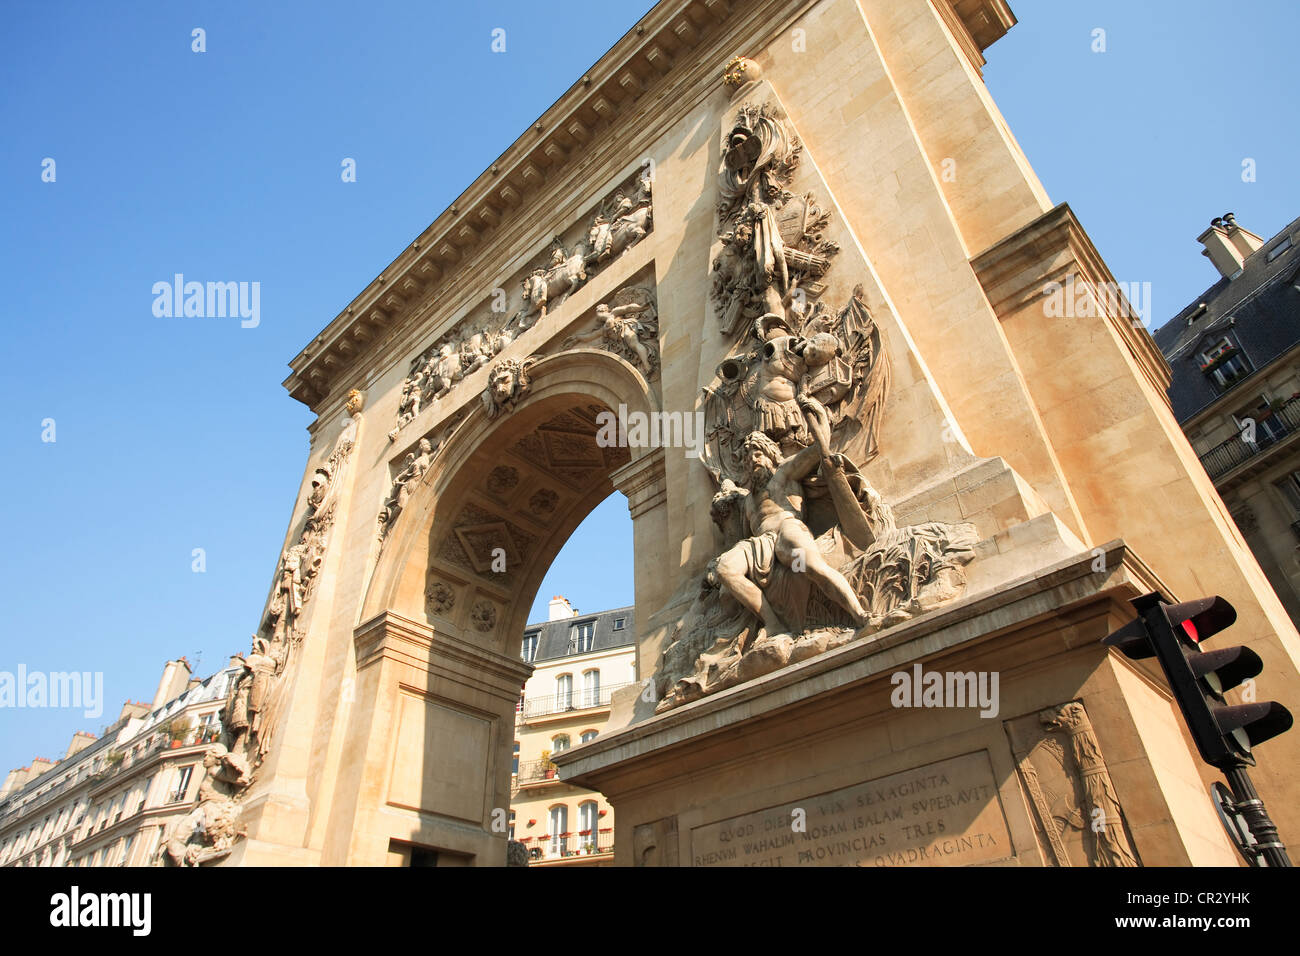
{"x": 668, "y": 36}
{"x": 664, "y": 65}
{"x": 1014, "y": 272}
{"x": 976, "y": 25}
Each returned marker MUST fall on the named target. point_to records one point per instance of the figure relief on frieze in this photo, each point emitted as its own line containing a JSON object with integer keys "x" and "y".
{"x": 628, "y": 326}
{"x": 616, "y": 224}
{"x": 811, "y": 556}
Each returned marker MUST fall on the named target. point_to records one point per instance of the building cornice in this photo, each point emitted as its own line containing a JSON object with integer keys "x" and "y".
{"x": 668, "y": 61}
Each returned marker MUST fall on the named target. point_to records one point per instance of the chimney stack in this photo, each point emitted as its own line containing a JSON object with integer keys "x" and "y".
{"x": 559, "y": 609}
{"x": 174, "y": 681}
{"x": 1227, "y": 244}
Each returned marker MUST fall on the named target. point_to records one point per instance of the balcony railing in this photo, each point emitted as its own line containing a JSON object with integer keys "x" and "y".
{"x": 534, "y": 771}
{"x": 532, "y": 707}
{"x": 1225, "y": 456}
{"x": 573, "y": 845}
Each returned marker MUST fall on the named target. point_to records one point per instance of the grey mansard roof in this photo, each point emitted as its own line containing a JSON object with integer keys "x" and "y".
{"x": 553, "y": 636}
{"x": 1259, "y": 309}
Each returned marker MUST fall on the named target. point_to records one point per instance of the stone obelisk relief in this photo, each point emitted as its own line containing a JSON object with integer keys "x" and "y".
{"x": 865, "y": 583}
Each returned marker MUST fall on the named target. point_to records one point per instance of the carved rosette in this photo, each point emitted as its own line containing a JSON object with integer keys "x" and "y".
{"x": 441, "y": 598}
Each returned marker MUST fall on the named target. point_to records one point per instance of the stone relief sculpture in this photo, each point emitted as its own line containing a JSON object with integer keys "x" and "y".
{"x": 254, "y": 696}
{"x": 624, "y": 223}
{"x": 508, "y": 383}
{"x": 772, "y": 239}
{"x": 565, "y": 273}
{"x": 412, "y": 470}
{"x": 812, "y": 556}
{"x": 1065, "y": 778}
{"x": 628, "y": 326}
{"x": 621, "y": 221}
{"x": 208, "y": 832}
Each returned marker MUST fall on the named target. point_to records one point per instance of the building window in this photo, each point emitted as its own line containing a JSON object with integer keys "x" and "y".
{"x": 591, "y": 688}
{"x": 580, "y": 637}
{"x": 1224, "y": 364}
{"x": 588, "y": 736}
{"x": 1267, "y": 427}
{"x": 126, "y": 851}
{"x": 588, "y": 823}
{"x": 559, "y": 824}
{"x": 1280, "y": 248}
{"x": 1290, "y": 490}
{"x": 564, "y": 692}
{"x": 620, "y": 623}
{"x": 182, "y": 784}
{"x": 559, "y": 743}
{"x": 514, "y": 767}
{"x": 529, "y": 652}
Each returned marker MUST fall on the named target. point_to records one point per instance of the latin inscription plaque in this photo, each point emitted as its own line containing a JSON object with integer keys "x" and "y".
{"x": 942, "y": 814}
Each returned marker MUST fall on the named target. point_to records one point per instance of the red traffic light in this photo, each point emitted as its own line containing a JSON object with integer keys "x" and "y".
{"x": 1201, "y": 619}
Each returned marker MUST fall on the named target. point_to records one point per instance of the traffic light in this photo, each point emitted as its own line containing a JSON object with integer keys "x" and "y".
{"x": 1173, "y": 633}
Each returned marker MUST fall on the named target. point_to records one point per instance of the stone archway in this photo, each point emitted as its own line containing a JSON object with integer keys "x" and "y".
{"x": 437, "y": 645}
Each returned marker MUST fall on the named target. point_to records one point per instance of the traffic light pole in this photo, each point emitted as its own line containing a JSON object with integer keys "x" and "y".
{"x": 1251, "y": 807}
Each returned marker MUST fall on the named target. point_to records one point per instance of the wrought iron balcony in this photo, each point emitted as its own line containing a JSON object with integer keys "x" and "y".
{"x": 532, "y": 707}
{"x": 1225, "y": 456}
{"x": 536, "y": 771}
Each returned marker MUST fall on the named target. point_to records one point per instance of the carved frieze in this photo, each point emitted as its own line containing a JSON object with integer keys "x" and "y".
{"x": 255, "y": 695}
{"x": 411, "y": 471}
{"x": 618, "y": 222}
{"x": 1076, "y": 810}
{"x": 628, "y": 326}
{"x": 508, "y": 383}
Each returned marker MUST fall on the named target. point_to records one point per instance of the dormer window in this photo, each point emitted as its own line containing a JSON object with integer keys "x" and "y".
{"x": 580, "y": 637}
{"x": 1224, "y": 364}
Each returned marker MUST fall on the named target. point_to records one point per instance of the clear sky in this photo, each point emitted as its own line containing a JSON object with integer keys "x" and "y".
{"x": 175, "y": 434}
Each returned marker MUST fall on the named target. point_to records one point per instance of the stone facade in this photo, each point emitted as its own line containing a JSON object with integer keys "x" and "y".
{"x": 131, "y": 796}
{"x": 882, "y": 454}
{"x": 579, "y": 661}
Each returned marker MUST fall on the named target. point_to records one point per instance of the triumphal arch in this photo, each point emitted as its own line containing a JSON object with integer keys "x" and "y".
{"x": 774, "y": 271}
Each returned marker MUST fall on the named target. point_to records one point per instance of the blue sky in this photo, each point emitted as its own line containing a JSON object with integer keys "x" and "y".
{"x": 175, "y": 434}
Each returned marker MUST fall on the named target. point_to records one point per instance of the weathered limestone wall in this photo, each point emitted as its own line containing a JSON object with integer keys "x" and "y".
{"x": 1051, "y": 436}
